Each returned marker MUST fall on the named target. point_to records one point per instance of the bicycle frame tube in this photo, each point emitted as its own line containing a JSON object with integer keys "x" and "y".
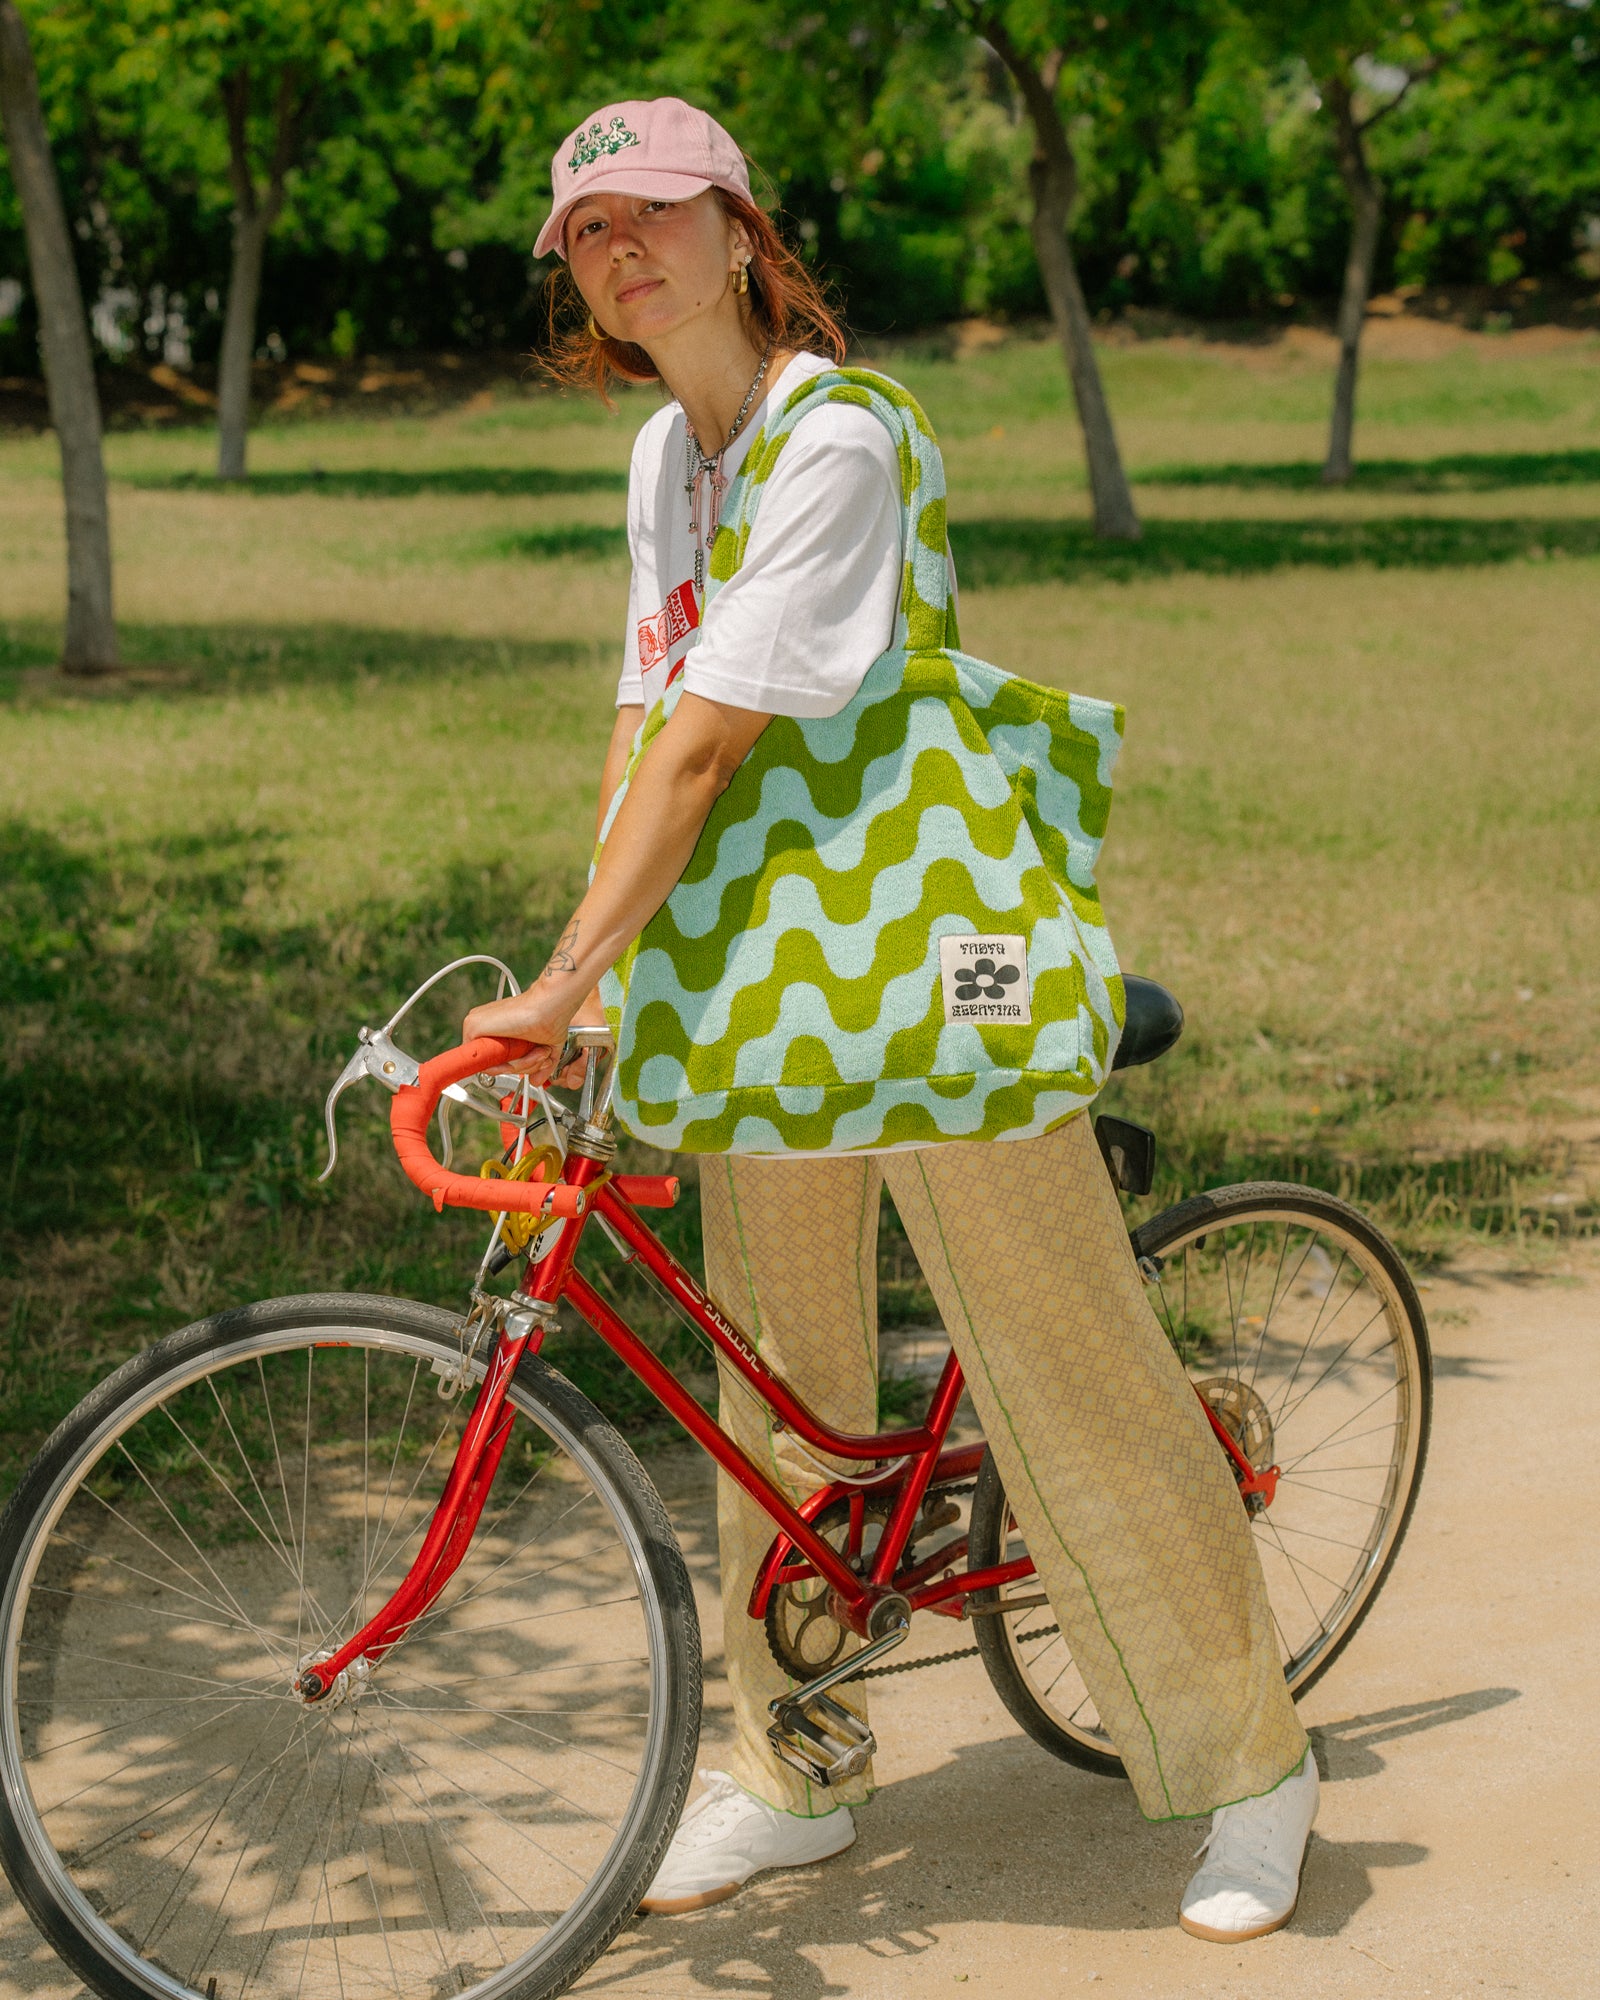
{"x": 488, "y": 1428}
{"x": 855, "y": 1596}
{"x": 646, "y": 1247}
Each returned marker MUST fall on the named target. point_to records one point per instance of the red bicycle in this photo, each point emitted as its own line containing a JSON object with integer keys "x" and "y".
{"x": 348, "y": 1649}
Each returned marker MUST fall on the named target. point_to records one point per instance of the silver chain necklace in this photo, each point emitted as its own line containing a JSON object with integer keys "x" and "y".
{"x": 701, "y": 466}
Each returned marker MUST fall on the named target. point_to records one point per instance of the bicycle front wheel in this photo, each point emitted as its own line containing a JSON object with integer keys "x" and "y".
{"x": 478, "y": 1815}
{"x": 1300, "y": 1327}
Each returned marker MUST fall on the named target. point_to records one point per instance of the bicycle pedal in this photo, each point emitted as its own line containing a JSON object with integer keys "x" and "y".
{"x": 819, "y": 1738}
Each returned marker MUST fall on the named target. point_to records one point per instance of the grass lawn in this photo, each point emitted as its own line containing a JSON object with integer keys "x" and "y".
{"x": 1355, "y": 830}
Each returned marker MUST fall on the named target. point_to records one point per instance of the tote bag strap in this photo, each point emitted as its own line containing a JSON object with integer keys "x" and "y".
{"x": 926, "y": 616}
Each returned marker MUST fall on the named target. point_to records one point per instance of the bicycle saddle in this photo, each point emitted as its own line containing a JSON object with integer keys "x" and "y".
{"x": 1154, "y": 1022}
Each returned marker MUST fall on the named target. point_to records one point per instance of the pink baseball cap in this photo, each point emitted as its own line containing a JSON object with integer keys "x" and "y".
{"x": 658, "y": 149}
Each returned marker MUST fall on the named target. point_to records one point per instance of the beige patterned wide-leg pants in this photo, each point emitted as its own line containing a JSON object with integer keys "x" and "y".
{"x": 1117, "y": 1483}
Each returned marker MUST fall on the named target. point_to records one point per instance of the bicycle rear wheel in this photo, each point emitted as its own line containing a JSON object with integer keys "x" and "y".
{"x": 1300, "y": 1326}
{"x": 478, "y": 1815}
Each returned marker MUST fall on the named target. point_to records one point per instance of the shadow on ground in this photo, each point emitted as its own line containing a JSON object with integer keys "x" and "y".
{"x": 380, "y": 483}
{"x": 997, "y": 1836}
{"x": 1457, "y": 472}
{"x": 997, "y": 552}
{"x": 230, "y": 659}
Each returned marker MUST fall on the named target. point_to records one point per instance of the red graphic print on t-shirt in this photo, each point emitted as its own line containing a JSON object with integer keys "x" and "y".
{"x": 676, "y": 619}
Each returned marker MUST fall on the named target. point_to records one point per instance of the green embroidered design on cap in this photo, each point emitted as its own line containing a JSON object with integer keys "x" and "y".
{"x": 598, "y": 141}
{"x": 797, "y": 992}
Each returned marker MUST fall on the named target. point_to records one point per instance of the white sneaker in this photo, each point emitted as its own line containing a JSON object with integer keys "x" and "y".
{"x": 1251, "y": 1879}
{"x": 727, "y": 1836}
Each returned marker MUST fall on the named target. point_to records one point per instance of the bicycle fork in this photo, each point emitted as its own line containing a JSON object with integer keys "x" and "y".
{"x": 455, "y": 1519}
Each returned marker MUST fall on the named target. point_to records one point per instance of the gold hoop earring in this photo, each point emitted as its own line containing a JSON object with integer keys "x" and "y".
{"x": 594, "y": 331}
{"x": 744, "y": 281}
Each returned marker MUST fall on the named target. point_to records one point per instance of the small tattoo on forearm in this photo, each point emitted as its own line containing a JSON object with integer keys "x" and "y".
{"x": 561, "y": 959}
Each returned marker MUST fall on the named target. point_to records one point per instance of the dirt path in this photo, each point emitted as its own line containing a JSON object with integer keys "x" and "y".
{"x": 1457, "y": 1850}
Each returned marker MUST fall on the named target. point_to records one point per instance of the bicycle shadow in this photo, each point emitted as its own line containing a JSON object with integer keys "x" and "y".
{"x": 1348, "y": 1749}
{"x": 995, "y": 1837}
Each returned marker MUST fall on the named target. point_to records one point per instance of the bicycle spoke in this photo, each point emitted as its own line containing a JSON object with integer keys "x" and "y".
{"x": 1332, "y": 1493}
{"x": 209, "y": 1938}
{"x": 223, "y": 1484}
{"x": 1310, "y": 1535}
{"x": 198, "y": 1839}
{"x": 197, "y": 1596}
{"x": 1355, "y": 1417}
{"x": 229, "y": 1600}
{"x": 305, "y": 1511}
{"x": 1301, "y": 1568}
{"x": 95, "y": 1783}
{"x": 370, "y": 1565}
{"x": 223, "y": 1624}
{"x": 510, "y": 1825}
{"x": 244, "y": 1460}
{"x": 405, "y": 1848}
{"x": 455, "y": 1842}
{"x": 536, "y": 1617}
{"x": 466, "y": 1879}
{"x": 1283, "y": 1415}
{"x": 1311, "y": 1332}
{"x": 389, "y": 1533}
{"x": 127, "y": 1722}
{"x": 476, "y": 1589}
{"x": 545, "y": 1673}
{"x": 1244, "y": 1292}
{"x": 512, "y": 1715}
{"x": 1277, "y": 1283}
{"x": 442, "y": 1611}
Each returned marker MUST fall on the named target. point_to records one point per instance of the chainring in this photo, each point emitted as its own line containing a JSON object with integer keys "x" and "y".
{"x": 802, "y": 1635}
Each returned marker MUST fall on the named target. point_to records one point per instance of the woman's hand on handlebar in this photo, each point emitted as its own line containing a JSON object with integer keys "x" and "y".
{"x": 537, "y": 1016}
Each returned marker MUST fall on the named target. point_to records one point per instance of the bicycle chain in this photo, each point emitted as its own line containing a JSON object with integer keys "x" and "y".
{"x": 911, "y": 1666}
{"x": 942, "y": 1659}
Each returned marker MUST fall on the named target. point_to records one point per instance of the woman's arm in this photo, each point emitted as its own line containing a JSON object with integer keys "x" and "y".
{"x": 682, "y": 775}
{"x": 591, "y": 1014}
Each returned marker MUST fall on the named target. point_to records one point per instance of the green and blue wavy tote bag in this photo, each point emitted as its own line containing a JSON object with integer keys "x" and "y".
{"x": 889, "y": 932}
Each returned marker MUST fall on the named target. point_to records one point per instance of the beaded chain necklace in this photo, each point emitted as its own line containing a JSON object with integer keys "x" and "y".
{"x": 704, "y": 470}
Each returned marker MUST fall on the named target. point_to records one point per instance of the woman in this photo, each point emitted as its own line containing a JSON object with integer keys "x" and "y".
{"x": 1154, "y": 1581}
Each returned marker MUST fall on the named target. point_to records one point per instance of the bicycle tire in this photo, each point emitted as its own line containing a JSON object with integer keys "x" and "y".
{"x": 586, "y": 1493}
{"x": 1179, "y": 1232}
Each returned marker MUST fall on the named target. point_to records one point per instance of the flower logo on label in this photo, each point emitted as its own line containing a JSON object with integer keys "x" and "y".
{"x": 982, "y": 980}
{"x": 598, "y": 142}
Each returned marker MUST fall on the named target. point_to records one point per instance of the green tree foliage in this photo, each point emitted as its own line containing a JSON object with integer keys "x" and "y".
{"x": 1241, "y": 211}
{"x": 1208, "y": 181}
{"x": 1498, "y": 165}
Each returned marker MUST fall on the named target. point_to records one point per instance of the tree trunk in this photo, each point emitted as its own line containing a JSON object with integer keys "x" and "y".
{"x": 239, "y": 340}
{"x": 1053, "y": 183}
{"x": 1366, "y": 212}
{"x": 254, "y": 213}
{"x": 90, "y": 645}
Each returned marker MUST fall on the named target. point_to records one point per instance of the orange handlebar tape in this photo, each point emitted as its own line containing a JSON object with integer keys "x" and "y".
{"x": 413, "y": 1106}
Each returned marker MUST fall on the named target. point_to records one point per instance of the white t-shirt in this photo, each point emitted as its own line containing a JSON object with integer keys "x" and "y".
{"x": 814, "y": 601}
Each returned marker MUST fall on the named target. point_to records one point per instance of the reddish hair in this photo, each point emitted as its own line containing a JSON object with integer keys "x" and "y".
{"x": 785, "y": 306}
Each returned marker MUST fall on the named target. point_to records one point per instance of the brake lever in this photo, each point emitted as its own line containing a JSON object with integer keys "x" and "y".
{"x": 377, "y": 1056}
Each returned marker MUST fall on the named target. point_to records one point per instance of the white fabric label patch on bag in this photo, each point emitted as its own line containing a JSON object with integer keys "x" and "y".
{"x": 985, "y": 979}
